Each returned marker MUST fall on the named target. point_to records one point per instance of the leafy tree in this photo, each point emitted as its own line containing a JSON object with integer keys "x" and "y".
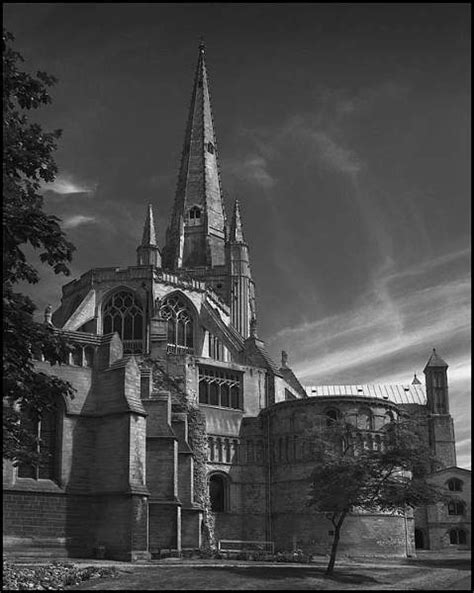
{"x": 27, "y": 163}
{"x": 347, "y": 476}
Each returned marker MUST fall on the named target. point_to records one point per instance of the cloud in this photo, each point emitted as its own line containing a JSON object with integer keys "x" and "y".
{"x": 335, "y": 155}
{"x": 252, "y": 168}
{"x": 64, "y": 184}
{"x": 77, "y": 220}
{"x": 392, "y": 318}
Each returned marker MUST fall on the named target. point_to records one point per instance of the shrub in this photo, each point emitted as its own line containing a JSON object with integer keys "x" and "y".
{"x": 54, "y": 576}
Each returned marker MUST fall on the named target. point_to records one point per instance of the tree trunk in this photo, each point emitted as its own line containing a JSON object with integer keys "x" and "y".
{"x": 337, "y": 534}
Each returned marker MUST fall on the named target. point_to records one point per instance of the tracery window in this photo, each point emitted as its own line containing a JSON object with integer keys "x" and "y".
{"x": 123, "y": 314}
{"x": 220, "y": 387}
{"x": 455, "y": 485}
{"x": 175, "y": 311}
{"x": 44, "y": 427}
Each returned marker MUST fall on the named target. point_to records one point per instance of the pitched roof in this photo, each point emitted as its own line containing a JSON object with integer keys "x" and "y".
{"x": 398, "y": 394}
{"x": 293, "y": 381}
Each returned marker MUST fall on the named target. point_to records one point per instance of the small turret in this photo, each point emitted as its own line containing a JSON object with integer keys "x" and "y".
{"x": 440, "y": 422}
{"x": 148, "y": 252}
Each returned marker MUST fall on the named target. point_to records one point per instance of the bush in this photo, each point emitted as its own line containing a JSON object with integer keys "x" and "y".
{"x": 54, "y": 576}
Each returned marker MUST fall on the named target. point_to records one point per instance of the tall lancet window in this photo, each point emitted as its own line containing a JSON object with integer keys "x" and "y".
{"x": 180, "y": 324}
{"x": 123, "y": 314}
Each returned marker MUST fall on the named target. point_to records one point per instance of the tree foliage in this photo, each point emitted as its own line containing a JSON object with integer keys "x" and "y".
{"x": 27, "y": 163}
{"x": 350, "y": 477}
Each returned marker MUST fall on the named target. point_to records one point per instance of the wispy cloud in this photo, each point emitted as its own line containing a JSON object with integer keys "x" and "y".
{"x": 252, "y": 168}
{"x": 65, "y": 184}
{"x": 77, "y": 220}
{"x": 386, "y": 322}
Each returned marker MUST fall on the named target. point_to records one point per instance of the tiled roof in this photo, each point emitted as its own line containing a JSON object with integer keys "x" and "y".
{"x": 398, "y": 394}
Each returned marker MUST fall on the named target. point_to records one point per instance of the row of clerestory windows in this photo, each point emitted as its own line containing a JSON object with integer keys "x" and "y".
{"x": 220, "y": 387}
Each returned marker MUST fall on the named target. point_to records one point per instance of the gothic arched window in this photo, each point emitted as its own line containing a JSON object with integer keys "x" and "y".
{"x": 123, "y": 314}
{"x": 180, "y": 324}
{"x": 219, "y": 492}
{"x": 44, "y": 427}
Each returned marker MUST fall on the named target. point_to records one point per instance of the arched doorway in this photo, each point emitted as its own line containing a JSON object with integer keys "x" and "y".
{"x": 218, "y": 486}
{"x": 419, "y": 539}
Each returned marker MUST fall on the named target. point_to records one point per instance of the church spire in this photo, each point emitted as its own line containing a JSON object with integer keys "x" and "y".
{"x": 196, "y": 234}
{"x": 148, "y": 252}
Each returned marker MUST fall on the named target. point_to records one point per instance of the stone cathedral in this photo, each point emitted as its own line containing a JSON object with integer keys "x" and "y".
{"x": 120, "y": 472}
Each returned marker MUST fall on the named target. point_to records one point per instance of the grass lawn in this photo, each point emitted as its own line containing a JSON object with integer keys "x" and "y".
{"x": 350, "y": 576}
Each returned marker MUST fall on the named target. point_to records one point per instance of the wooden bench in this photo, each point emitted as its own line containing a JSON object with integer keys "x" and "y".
{"x": 260, "y": 549}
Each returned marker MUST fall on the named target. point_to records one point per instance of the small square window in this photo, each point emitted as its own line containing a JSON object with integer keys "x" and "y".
{"x": 210, "y": 147}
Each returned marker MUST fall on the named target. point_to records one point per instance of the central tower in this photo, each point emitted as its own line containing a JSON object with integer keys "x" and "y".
{"x": 195, "y": 237}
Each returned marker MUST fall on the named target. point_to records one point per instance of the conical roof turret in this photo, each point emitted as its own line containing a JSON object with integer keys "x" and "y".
{"x": 435, "y": 360}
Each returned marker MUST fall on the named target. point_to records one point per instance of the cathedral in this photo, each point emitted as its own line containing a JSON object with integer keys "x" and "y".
{"x": 120, "y": 479}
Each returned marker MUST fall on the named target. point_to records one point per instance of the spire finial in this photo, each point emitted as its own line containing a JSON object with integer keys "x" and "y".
{"x": 202, "y": 45}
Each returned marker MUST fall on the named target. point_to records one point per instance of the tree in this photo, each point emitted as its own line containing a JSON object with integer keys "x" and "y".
{"x": 349, "y": 476}
{"x": 27, "y": 163}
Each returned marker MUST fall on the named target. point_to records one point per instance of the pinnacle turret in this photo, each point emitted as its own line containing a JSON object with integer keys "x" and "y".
{"x": 149, "y": 233}
{"x": 148, "y": 252}
{"x": 236, "y": 231}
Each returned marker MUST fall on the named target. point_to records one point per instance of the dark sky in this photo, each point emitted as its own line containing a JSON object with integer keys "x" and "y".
{"x": 344, "y": 131}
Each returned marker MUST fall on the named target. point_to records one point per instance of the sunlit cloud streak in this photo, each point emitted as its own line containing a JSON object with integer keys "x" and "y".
{"x": 77, "y": 220}
{"x": 64, "y": 185}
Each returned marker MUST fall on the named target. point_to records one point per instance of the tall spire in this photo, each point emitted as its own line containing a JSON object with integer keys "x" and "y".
{"x": 236, "y": 232}
{"x": 148, "y": 252}
{"x": 196, "y": 235}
